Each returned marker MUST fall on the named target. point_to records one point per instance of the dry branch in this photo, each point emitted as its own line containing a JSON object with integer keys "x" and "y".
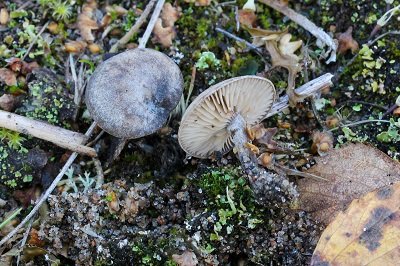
{"x": 306, "y": 90}
{"x": 61, "y": 137}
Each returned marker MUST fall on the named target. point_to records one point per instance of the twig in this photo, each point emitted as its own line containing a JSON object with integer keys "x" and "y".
{"x": 381, "y": 36}
{"x": 100, "y": 173}
{"x": 61, "y": 137}
{"x": 360, "y": 123}
{"x": 125, "y": 39}
{"x": 306, "y": 24}
{"x": 232, "y": 36}
{"x": 23, "y": 242}
{"x": 306, "y": 90}
{"x": 9, "y": 218}
{"x": 152, "y": 22}
{"x": 48, "y": 191}
{"x": 35, "y": 40}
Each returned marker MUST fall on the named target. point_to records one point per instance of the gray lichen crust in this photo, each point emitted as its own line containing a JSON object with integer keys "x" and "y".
{"x": 132, "y": 94}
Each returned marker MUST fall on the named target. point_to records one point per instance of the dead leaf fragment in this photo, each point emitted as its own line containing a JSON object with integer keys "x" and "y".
{"x": 7, "y": 102}
{"x": 86, "y": 22}
{"x": 163, "y": 36}
{"x": 346, "y": 41}
{"x": 264, "y": 135}
{"x": 188, "y": 258}
{"x": 199, "y": 2}
{"x": 350, "y": 171}
{"x": 164, "y": 31}
{"x": 367, "y": 233}
{"x": 4, "y": 16}
{"x": 8, "y": 77}
{"x": 74, "y": 47}
{"x": 169, "y": 15}
{"x": 247, "y": 18}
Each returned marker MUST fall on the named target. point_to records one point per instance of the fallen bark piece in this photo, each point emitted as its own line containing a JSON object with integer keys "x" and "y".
{"x": 59, "y": 136}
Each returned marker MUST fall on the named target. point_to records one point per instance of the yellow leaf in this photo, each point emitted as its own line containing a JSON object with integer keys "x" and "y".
{"x": 367, "y": 233}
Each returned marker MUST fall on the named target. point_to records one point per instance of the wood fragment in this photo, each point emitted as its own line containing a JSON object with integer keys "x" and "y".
{"x": 152, "y": 23}
{"x": 306, "y": 90}
{"x": 59, "y": 136}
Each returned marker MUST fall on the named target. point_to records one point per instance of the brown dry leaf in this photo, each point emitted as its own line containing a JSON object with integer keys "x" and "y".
{"x": 28, "y": 67}
{"x": 164, "y": 31}
{"x": 199, "y": 2}
{"x": 8, "y": 77}
{"x": 86, "y": 23}
{"x": 7, "y": 102}
{"x": 264, "y": 135}
{"x": 322, "y": 142}
{"x": 247, "y": 18}
{"x": 15, "y": 64}
{"x": 367, "y": 233}
{"x": 4, "y": 16}
{"x": 188, "y": 258}
{"x": 346, "y": 41}
{"x": 351, "y": 172}
{"x": 169, "y": 15}
{"x": 162, "y": 35}
{"x": 74, "y": 47}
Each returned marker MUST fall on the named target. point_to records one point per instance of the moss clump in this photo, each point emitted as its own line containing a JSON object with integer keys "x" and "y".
{"x": 230, "y": 223}
{"x": 15, "y": 172}
{"x": 47, "y": 100}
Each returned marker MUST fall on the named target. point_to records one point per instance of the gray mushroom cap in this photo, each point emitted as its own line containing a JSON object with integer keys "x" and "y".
{"x": 132, "y": 94}
{"x": 204, "y": 126}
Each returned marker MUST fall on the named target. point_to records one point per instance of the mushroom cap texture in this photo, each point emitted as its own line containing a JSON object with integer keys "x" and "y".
{"x": 132, "y": 94}
{"x": 203, "y": 128}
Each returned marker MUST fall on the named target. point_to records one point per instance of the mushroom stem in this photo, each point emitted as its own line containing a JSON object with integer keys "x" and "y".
{"x": 267, "y": 186}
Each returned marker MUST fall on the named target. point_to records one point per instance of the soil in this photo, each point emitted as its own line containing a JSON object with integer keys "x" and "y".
{"x": 156, "y": 203}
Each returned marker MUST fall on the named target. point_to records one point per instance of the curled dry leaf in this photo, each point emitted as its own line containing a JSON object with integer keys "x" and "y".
{"x": 367, "y": 233}
{"x": 282, "y": 52}
{"x": 8, "y": 77}
{"x": 74, "y": 47}
{"x": 264, "y": 135}
{"x": 86, "y": 22}
{"x": 164, "y": 31}
{"x": 188, "y": 258}
{"x": 247, "y": 18}
{"x": 7, "y": 102}
{"x": 199, "y": 2}
{"x": 346, "y": 41}
{"x": 350, "y": 171}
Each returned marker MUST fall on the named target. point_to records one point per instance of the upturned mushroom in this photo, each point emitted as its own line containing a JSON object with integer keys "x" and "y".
{"x": 132, "y": 94}
{"x": 216, "y": 122}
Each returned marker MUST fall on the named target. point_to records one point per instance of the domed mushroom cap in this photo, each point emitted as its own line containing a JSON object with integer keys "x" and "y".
{"x": 132, "y": 94}
{"x": 203, "y": 128}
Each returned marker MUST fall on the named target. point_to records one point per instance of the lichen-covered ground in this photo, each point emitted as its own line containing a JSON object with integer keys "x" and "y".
{"x": 156, "y": 206}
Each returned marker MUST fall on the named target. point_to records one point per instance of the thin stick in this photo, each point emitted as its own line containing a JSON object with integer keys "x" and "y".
{"x": 23, "y": 242}
{"x": 306, "y": 24}
{"x": 360, "y": 123}
{"x": 61, "y": 137}
{"x": 125, "y": 39}
{"x": 150, "y": 26}
{"x": 232, "y": 36}
{"x": 35, "y": 40}
{"x": 306, "y": 90}
{"x": 48, "y": 191}
{"x": 100, "y": 173}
